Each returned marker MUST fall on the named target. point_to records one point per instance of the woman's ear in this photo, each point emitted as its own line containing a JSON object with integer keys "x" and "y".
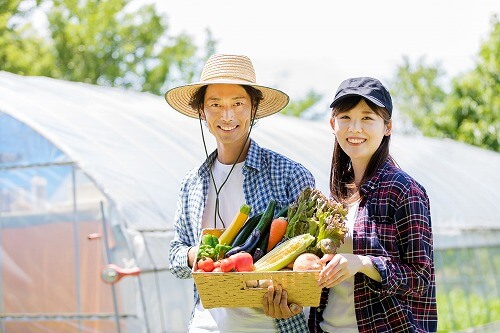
{"x": 332, "y": 123}
{"x": 388, "y": 128}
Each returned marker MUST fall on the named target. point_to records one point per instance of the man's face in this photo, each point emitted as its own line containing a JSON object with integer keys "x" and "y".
{"x": 227, "y": 111}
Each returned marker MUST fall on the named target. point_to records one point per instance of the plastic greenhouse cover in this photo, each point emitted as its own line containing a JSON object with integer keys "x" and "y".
{"x": 138, "y": 149}
{"x": 134, "y": 151}
{"x": 14, "y": 152}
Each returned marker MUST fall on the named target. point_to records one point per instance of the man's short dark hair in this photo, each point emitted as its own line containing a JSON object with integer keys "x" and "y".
{"x": 198, "y": 98}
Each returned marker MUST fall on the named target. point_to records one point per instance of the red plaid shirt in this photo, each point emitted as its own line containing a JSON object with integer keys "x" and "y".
{"x": 393, "y": 228}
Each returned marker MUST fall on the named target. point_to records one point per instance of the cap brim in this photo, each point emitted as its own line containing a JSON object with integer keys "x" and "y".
{"x": 370, "y": 98}
{"x": 273, "y": 101}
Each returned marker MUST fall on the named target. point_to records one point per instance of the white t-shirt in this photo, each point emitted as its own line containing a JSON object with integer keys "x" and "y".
{"x": 231, "y": 197}
{"x": 339, "y": 315}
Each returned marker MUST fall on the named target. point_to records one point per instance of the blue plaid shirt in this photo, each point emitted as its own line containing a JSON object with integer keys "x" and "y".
{"x": 267, "y": 175}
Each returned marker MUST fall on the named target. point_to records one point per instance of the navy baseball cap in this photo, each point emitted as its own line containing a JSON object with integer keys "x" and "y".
{"x": 367, "y": 87}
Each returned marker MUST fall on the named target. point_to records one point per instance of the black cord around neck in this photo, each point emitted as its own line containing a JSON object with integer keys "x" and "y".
{"x": 217, "y": 190}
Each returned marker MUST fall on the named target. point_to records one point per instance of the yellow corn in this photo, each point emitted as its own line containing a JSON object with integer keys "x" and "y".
{"x": 235, "y": 226}
{"x": 284, "y": 253}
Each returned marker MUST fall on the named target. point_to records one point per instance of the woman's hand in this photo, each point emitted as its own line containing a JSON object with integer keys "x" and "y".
{"x": 275, "y": 304}
{"x": 338, "y": 268}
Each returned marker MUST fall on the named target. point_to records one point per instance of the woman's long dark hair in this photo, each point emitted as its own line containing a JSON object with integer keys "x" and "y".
{"x": 342, "y": 173}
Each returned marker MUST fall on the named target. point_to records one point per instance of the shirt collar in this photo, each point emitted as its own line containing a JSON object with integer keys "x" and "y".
{"x": 252, "y": 160}
{"x": 205, "y": 167}
{"x": 373, "y": 183}
{"x": 254, "y": 156}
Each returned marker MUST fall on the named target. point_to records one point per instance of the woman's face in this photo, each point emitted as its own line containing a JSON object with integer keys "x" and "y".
{"x": 227, "y": 110}
{"x": 359, "y": 132}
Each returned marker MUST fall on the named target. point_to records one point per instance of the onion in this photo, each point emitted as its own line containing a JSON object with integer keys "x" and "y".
{"x": 307, "y": 262}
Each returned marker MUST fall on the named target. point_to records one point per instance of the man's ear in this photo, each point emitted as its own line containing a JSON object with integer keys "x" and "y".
{"x": 254, "y": 113}
{"x": 202, "y": 114}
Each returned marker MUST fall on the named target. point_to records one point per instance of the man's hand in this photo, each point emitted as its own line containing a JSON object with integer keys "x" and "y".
{"x": 192, "y": 255}
{"x": 275, "y": 304}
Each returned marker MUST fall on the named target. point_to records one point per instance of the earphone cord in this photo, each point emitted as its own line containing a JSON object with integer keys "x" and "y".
{"x": 217, "y": 190}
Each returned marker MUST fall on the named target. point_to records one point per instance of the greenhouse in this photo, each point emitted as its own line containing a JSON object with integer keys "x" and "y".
{"x": 88, "y": 188}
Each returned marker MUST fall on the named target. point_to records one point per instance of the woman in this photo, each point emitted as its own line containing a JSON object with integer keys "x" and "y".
{"x": 382, "y": 277}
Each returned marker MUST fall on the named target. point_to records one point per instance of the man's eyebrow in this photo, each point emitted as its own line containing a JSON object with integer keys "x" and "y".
{"x": 218, "y": 98}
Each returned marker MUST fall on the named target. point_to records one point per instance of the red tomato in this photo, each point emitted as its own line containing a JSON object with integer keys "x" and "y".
{"x": 217, "y": 264}
{"x": 227, "y": 265}
{"x": 243, "y": 261}
{"x": 206, "y": 264}
{"x": 216, "y": 269}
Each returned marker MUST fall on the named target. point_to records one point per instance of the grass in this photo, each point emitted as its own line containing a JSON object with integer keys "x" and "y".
{"x": 458, "y": 311}
{"x": 467, "y": 288}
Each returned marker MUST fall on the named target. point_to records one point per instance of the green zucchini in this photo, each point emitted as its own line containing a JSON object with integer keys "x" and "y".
{"x": 283, "y": 212}
{"x": 246, "y": 230}
{"x": 264, "y": 232}
{"x": 263, "y": 223}
{"x": 267, "y": 217}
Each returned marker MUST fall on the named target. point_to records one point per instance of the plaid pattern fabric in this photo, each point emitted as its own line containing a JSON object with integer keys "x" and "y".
{"x": 267, "y": 175}
{"x": 393, "y": 228}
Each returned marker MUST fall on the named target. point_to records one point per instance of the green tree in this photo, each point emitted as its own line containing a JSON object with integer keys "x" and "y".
{"x": 418, "y": 95}
{"x": 22, "y": 51}
{"x": 469, "y": 112}
{"x": 105, "y": 43}
{"x": 298, "y": 108}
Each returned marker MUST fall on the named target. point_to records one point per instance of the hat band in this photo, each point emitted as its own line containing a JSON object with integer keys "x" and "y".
{"x": 226, "y": 78}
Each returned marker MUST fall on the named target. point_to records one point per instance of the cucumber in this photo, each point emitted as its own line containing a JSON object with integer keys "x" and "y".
{"x": 246, "y": 230}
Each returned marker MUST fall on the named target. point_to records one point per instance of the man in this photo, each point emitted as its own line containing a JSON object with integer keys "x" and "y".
{"x": 228, "y": 99}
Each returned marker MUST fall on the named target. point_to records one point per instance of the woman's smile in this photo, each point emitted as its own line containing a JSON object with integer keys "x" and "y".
{"x": 356, "y": 141}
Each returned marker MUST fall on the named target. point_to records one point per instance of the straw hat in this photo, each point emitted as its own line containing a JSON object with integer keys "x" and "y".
{"x": 227, "y": 69}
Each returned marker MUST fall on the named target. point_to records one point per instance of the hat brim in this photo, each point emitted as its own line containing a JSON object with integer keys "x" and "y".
{"x": 179, "y": 98}
{"x": 370, "y": 98}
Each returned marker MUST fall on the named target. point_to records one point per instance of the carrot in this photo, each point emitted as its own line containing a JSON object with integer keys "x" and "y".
{"x": 276, "y": 232}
